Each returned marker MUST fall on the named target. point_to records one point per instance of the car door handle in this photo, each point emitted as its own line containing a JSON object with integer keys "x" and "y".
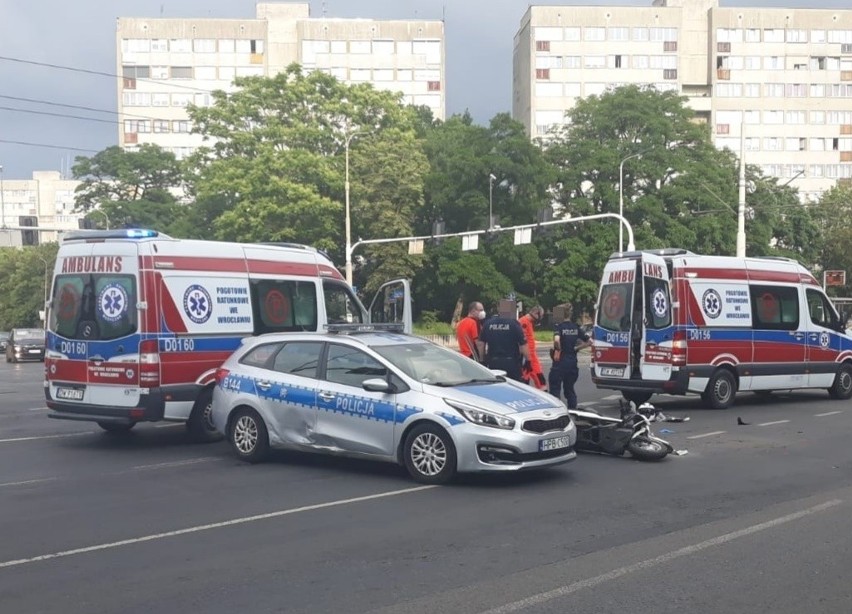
{"x": 96, "y": 358}
{"x": 326, "y": 396}
{"x": 264, "y": 385}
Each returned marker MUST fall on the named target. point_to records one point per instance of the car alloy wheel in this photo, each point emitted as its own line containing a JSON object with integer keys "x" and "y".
{"x": 245, "y": 435}
{"x": 428, "y": 454}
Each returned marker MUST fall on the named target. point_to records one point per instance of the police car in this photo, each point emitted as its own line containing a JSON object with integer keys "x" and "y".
{"x": 363, "y": 391}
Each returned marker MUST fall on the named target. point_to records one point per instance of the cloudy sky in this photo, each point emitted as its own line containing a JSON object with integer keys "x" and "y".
{"x": 81, "y": 34}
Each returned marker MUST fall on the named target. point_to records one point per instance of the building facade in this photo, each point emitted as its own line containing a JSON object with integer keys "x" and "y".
{"x": 780, "y": 77}
{"x": 46, "y": 200}
{"x": 168, "y": 64}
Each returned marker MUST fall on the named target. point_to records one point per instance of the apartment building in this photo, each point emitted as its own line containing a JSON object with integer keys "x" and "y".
{"x": 168, "y": 64}
{"x": 46, "y": 200}
{"x": 780, "y": 77}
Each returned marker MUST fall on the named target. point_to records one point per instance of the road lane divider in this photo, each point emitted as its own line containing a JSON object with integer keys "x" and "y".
{"x": 773, "y": 423}
{"x": 215, "y": 525}
{"x": 180, "y": 463}
{"x": 37, "y": 437}
{"x": 828, "y": 413}
{"x": 25, "y": 482}
{"x": 564, "y": 591}
{"x": 710, "y": 434}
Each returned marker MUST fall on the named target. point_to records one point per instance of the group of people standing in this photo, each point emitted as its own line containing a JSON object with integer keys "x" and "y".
{"x": 506, "y": 343}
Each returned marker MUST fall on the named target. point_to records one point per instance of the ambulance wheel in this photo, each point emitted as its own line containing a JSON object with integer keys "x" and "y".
{"x": 116, "y": 427}
{"x": 637, "y": 397}
{"x": 248, "y": 435}
{"x": 842, "y": 386}
{"x": 429, "y": 454}
{"x": 721, "y": 390}
{"x": 200, "y": 424}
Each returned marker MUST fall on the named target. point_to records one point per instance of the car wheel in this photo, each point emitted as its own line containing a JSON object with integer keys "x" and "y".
{"x": 200, "y": 424}
{"x": 429, "y": 454}
{"x": 721, "y": 390}
{"x": 249, "y": 436}
{"x": 842, "y": 386}
{"x": 116, "y": 427}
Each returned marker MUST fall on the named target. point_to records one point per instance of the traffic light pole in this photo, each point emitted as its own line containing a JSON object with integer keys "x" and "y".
{"x": 572, "y": 220}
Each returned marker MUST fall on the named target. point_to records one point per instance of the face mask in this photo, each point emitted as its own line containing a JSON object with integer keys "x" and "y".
{"x": 481, "y": 315}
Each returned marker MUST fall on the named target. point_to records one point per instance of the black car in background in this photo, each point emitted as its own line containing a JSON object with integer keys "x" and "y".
{"x": 25, "y": 344}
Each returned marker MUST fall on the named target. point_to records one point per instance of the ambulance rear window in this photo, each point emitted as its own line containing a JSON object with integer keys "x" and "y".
{"x": 612, "y": 311}
{"x": 94, "y": 307}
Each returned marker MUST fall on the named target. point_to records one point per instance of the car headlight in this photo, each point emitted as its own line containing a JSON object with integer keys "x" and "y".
{"x": 481, "y": 417}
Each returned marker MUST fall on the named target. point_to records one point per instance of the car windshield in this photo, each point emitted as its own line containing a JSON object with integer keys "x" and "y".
{"x": 4, "y": 336}
{"x": 30, "y": 333}
{"x": 431, "y": 364}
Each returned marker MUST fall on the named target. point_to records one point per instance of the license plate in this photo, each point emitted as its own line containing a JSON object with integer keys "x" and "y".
{"x": 70, "y": 394}
{"x": 35, "y": 351}
{"x": 554, "y": 443}
{"x": 612, "y": 371}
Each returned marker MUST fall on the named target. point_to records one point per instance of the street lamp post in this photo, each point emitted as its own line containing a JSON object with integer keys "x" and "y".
{"x": 103, "y": 213}
{"x": 491, "y": 180}
{"x": 621, "y": 196}
{"x": 346, "y": 143}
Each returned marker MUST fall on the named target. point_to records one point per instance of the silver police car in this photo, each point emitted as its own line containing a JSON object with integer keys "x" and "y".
{"x": 388, "y": 396}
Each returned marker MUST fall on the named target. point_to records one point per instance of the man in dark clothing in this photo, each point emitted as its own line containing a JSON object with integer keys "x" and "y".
{"x": 567, "y": 339}
{"x": 504, "y": 345}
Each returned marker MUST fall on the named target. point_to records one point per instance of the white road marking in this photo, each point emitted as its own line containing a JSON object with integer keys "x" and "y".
{"x": 564, "y": 591}
{"x": 37, "y": 409}
{"x": 191, "y": 461}
{"x": 168, "y": 426}
{"x": 828, "y": 413}
{"x": 215, "y": 525}
{"x": 710, "y": 434}
{"x": 38, "y": 481}
{"x": 37, "y": 437}
{"x": 772, "y": 423}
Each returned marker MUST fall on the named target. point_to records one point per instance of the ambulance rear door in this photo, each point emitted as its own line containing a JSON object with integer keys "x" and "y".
{"x": 392, "y": 304}
{"x": 612, "y": 321}
{"x": 655, "y": 351}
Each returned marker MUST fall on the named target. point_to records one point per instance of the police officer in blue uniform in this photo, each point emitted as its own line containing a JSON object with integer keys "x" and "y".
{"x": 503, "y": 343}
{"x": 567, "y": 340}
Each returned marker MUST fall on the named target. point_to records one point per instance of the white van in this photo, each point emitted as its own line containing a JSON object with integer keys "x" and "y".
{"x": 139, "y": 322}
{"x": 674, "y": 322}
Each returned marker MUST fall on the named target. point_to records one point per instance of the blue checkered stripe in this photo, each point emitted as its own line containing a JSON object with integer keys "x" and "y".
{"x": 301, "y": 396}
{"x": 451, "y": 418}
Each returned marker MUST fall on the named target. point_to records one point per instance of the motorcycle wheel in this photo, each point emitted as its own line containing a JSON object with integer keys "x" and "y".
{"x": 644, "y": 449}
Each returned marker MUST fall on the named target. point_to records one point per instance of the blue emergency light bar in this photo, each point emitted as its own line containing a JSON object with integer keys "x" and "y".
{"x": 118, "y": 233}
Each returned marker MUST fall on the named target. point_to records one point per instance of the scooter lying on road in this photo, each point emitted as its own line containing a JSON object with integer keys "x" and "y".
{"x": 629, "y": 433}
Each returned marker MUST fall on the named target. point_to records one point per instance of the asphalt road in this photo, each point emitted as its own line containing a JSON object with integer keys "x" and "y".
{"x": 754, "y": 518}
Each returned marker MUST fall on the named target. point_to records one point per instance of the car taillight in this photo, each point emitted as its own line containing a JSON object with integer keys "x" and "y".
{"x": 679, "y": 348}
{"x": 149, "y": 364}
{"x": 221, "y": 374}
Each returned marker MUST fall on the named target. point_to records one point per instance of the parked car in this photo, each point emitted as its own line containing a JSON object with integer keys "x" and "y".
{"x": 25, "y": 344}
{"x": 4, "y": 338}
{"x": 387, "y": 396}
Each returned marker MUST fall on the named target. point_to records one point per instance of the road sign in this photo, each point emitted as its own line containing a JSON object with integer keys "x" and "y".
{"x": 834, "y": 278}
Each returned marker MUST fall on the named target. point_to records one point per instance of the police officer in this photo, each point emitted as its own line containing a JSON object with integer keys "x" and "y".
{"x": 567, "y": 340}
{"x": 503, "y": 344}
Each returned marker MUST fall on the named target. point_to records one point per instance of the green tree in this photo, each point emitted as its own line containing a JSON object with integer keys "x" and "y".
{"x": 833, "y": 215}
{"x": 130, "y": 188}
{"x": 276, "y": 155}
{"x": 25, "y": 275}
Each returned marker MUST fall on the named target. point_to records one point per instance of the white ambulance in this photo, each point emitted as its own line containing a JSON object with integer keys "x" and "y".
{"x": 674, "y": 322}
{"x": 139, "y": 322}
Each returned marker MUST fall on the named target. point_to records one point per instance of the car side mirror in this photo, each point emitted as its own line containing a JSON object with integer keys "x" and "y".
{"x": 377, "y": 385}
{"x": 498, "y": 372}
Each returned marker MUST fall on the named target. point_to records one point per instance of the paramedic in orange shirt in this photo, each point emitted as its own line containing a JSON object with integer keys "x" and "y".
{"x": 528, "y": 323}
{"x": 467, "y": 331}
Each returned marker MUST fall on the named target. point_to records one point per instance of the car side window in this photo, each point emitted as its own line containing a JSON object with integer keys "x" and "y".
{"x": 298, "y": 358}
{"x": 351, "y": 366}
{"x": 261, "y": 355}
{"x": 775, "y": 307}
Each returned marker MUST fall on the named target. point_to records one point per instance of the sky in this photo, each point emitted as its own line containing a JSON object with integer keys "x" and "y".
{"x": 81, "y": 34}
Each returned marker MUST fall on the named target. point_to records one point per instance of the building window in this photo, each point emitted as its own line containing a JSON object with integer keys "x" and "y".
{"x": 161, "y": 125}
{"x": 773, "y": 117}
{"x": 180, "y": 45}
{"x": 595, "y": 61}
{"x": 382, "y": 47}
{"x": 616, "y": 61}
{"x": 181, "y": 100}
{"x": 773, "y": 63}
{"x": 639, "y": 35}
{"x": 594, "y": 33}
{"x": 548, "y": 61}
{"x": 723, "y": 47}
{"x": 796, "y": 90}
{"x": 136, "y": 99}
{"x": 204, "y": 45}
{"x": 136, "y": 72}
{"x": 542, "y": 73}
{"x": 751, "y": 62}
{"x": 548, "y": 90}
{"x": 619, "y": 34}
{"x": 752, "y": 117}
{"x": 160, "y": 100}
{"x": 136, "y": 45}
{"x": 542, "y": 45}
{"x": 181, "y": 72}
{"x": 572, "y": 61}
{"x": 137, "y": 125}
{"x": 359, "y": 74}
{"x": 751, "y": 90}
{"x": 640, "y": 61}
{"x": 670, "y": 46}
{"x": 752, "y": 35}
{"x": 797, "y": 36}
{"x": 182, "y": 126}
{"x": 159, "y": 72}
{"x": 670, "y": 73}
{"x": 775, "y": 35}
{"x": 723, "y": 128}
{"x": 572, "y": 34}
{"x": 433, "y": 86}
{"x": 205, "y": 73}
{"x": 339, "y": 47}
{"x": 663, "y": 34}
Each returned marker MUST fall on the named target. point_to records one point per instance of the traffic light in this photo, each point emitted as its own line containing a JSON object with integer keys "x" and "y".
{"x": 28, "y": 237}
